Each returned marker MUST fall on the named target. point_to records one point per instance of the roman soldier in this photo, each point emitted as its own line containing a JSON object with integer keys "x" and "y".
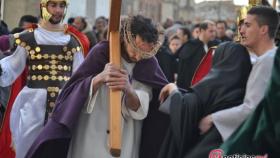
{"x": 45, "y": 57}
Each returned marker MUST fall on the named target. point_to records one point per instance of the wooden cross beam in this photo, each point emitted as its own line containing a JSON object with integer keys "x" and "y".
{"x": 274, "y": 4}
{"x": 115, "y": 131}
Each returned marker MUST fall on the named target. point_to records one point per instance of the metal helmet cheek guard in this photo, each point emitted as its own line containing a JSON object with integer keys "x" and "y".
{"x": 243, "y": 10}
{"x": 45, "y": 15}
{"x": 242, "y": 13}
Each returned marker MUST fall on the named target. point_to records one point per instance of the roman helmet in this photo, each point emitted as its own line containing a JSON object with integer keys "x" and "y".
{"x": 243, "y": 13}
{"x": 45, "y": 15}
{"x": 243, "y": 10}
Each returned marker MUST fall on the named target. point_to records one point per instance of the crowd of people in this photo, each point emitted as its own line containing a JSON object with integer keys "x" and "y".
{"x": 187, "y": 90}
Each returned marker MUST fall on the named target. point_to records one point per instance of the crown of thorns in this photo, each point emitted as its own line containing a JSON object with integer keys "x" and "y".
{"x": 130, "y": 38}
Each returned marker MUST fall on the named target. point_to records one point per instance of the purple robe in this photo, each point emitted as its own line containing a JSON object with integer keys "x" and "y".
{"x": 53, "y": 141}
{"x": 4, "y": 42}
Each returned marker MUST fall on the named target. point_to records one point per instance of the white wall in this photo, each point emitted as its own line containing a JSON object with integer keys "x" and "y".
{"x": 88, "y": 8}
{"x": 102, "y": 8}
{"x": 76, "y": 8}
{"x": 166, "y": 11}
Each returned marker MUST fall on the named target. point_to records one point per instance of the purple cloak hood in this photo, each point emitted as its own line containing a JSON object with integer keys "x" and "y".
{"x": 53, "y": 141}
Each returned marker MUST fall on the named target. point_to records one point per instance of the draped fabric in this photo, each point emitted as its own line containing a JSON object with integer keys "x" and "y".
{"x": 204, "y": 67}
{"x": 167, "y": 62}
{"x": 260, "y": 133}
{"x": 6, "y": 149}
{"x": 217, "y": 90}
{"x": 82, "y": 38}
{"x": 190, "y": 55}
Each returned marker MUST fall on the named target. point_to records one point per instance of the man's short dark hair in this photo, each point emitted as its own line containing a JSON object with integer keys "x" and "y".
{"x": 83, "y": 20}
{"x": 186, "y": 31}
{"x": 196, "y": 26}
{"x": 173, "y": 37}
{"x": 27, "y": 18}
{"x": 3, "y": 28}
{"x": 70, "y": 20}
{"x": 222, "y": 22}
{"x": 265, "y": 2}
{"x": 204, "y": 24}
{"x": 145, "y": 28}
{"x": 266, "y": 16}
{"x": 103, "y": 19}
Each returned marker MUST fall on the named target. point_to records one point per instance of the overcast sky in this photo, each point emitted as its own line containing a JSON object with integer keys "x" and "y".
{"x": 236, "y": 2}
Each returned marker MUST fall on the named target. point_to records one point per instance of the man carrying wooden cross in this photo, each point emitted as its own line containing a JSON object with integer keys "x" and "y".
{"x": 79, "y": 124}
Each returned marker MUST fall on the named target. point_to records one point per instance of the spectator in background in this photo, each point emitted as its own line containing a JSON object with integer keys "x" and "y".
{"x": 167, "y": 60}
{"x": 184, "y": 34}
{"x": 230, "y": 34}
{"x": 70, "y": 20}
{"x": 195, "y": 31}
{"x": 27, "y": 20}
{"x": 168, "y": 23}
{"x": 83, "y": 26}
{"x": 172, "y": 30}
{"x": 191, "y": 53}
{"x": 174, "y": 43}
{"x": 221, "y": 31}
{"x": 3, "y": 28}
{"x": 100, "y": 26}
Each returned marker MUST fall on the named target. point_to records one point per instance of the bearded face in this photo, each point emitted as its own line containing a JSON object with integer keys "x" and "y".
{"x": 53, "y": 10}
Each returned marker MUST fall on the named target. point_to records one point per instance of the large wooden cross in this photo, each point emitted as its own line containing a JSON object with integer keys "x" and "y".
{"x": 115, "y": 131}
{"x": 274, "y": 4}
